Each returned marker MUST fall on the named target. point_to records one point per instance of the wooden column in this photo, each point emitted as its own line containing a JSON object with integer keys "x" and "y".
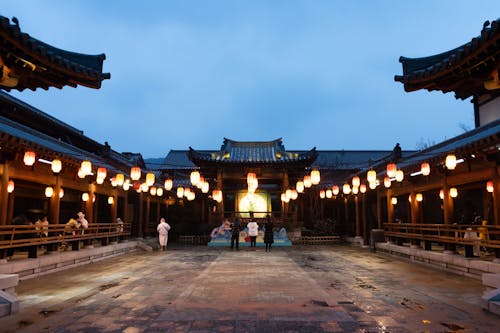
{"x": 4, "y": 194}
{"x": 114, "y": 206}
{"x": 379, "y": 210}
{"x": 346, "y": 211}
{"x": 363, "y": 219}
{"x": 124, "y": 212}
{"x": 157, "y": 212}
{"x": 414, "y": 208}
{"x": 284, "y": 187}
{"x": 390, "y": 207}
{"x": 358, "y": 222}
{"x": 220, "y": 205}
{"x": 55, "y": 203}
{"x": 147, "y": 214}
{"x": 140, "y": 217}
{"x": 448, "y": 212}
{"x": 496, "y": 198}
{"x": 89, "y": 205}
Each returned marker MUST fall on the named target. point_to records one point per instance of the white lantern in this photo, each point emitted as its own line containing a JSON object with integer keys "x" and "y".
{"x": 111, "y": 200}
{"x": 372, "y": 185}
{"x": 451, "y": 162}
{"x": 362, "y": 188}
{"x": 329, "y": 193}
{"x": 425, "y": 168}
{"x": 453, "y": 192}
{"x": 335, "y": 189}
{"x": 10, "y": 186}
{"x": 159, "y": 191}
{"x": 86, "y": 167}
{"x": 441, "y": 194}
{"x": 85, "y": 197}
{"x": 400, "y": 176}
{"x": 61, "y": 193}
{"x": 356, "y": 181}
{"x": 294, "y": 195}
{"x": 195, "y": 177}
{"x": 355, "y": 190}
{"x": 135, "y": 173}
{"x": 307, "y": 181}
{"x": 29, "y": 158}
{"x": 152, "y": 190}
{"x": 101, "y": 173}
{"x": 49, "y": 191}
{"x": 371, "y": 176}
{"x": 299, "y": 186}
{"x": 315, "y": 176}
{"x": 346, "y": 189}
{"x": 150, "y": 179}
{"x": 180, "y": 192}
{"x": 126, "y": 185}
{"x": 205, "y": 188}
{"x": 144, "y": 187}
{"x": 322, "y": 194}
{"x": 387, "y": 182}
{"x": 56, "y": 166}
{"x": 168, "y": 184}
{"x": 419, "y": 197}
{"x": 394, "y": 200}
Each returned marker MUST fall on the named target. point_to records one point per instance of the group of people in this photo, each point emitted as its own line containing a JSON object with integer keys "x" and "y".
{"x": 76, "y": 226}
{"x": 253, "y": 232}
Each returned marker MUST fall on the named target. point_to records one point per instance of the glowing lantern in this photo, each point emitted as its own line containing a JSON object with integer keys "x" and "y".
{"x": 99, "y": 180}
{"x": 453, "y": 192}
{"x": 144, "y": 187}
{"x": 283, "y": 197}
{"x": 217, "y": 195}
{"x": 346, "y": 189}
{"x": 86, "y": 167}
{"x": 299, "y": 186}
{"x": 120, "y": 179}
{"x": 335, "y": 189}
{"x": 150, "y": 179}
{"x": 152, "y": 190}
{"x": 56, "y": 166}
{"x": 400, "y": 175}
{"x": 111, "y": 200}
{"x": 10, "y": 186}
{"x": 372, "y": 185}
{"x": 355, "y": 190}
{"x": 356, "y": 181}
{"x": 419, "y": 197}
{"x": 135, "y": 173}
{"x": 329, "y": 193}
{"x": 159, "y": 191}
{"x": 251, "y": 177}
{"x": 288, "y": 193}
{"x": 441, "y": 194}
{"x": 101, "y": 173}
{"x": 180, "y": 192}
{"x": 191, "y": 196}
{"x": 205, "y": 188}
{"x": 295, "y": 195}
{"x": 489, "y": 186}
{"x": 425, "y": 168}
{"x": 29, "y": 158}
{"x": 362, "y": 188}
{"x": 371, "y": 176}
{"x": 49, "y": 191}
{"x": 322, "y": 194}
{"x": 387, "y": 182}
{"x": 81, "y": 174}
{"x": 451, "y": 162}
{"x": 409, "y": 198}
{"x": 391, "y": 170}
{"x": 315, "y": 176}
{"x": 113, "y": 182}
{"x": 61, "y": 193}
{"x": 195, "y": 177}
{"x": 85, "y": 197}
{"x": 307, "y": 181}
{"x": 394, "y": 200}
{"x": 126, "y": 185}
{"x": 168, "y": 184}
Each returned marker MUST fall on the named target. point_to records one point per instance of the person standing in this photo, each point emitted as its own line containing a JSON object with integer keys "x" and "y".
{"x": 253, "y": 231}
{"x": 82, "y": 221}
{"x": 235, "y": 233}
{"x": 163, "y": 228}
{"x": 268, "y": 233}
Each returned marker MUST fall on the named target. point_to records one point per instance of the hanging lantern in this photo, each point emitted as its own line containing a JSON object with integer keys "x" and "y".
{"x": 362, "y": 188}
{"x": 195, "y": 177}
{"x": 425, "y": 168}
{"x": 400, "y": 176}
{"x": 29, "y": 158}
{"x": 355, "y": 190}
{"x": 113, "y": 182}
{"x": 135, "y": 173}
{"x": 111, "y": 200}
{"x": 315, "y": 176}
{"x": 61, "y": 193}
{"x": 299, "y": 186}
{"x": 322, "y": 194}
{"x": 371, "y": 176}
{"x": 335, "y": 189}
{"x": 205, "y": 188}
{"x": 250, "y": 177}
{"x": 294, "y": 194}
{"x": 451, "y": 162}
{"x": 283, "y": 197}
{"x": 180, "y": 192}
{"x": 81, "y": 174}
{"x": 453, "y": 192}
{"x": 394, "y": 200}
{"x": 419, "y": 197}
{"x": 159, "y": 191}
{"x": 307, "y": 181}
{"x": 99, "y": 180}
{"x": 372, "y": 185}
{"x": 150, "y": 179}
{"x": 288, "y": 193}
{"x": 191, "y": 196}
{"x": 101, "y": 173}
{"x": 144, "y": 187}
{"x": 86, "y": 167}
{"x": 356, "y": 181}
{"x": 137, "y": 186}
{"x": 391, "y": 170}
{"x": 49, "y": 191}
{"x": 489, "y": 186}
{"x": 346, "y": 189}
{"x": 152, "y": 190}
{"x": 85, "y": 197}
{"x": 10, "y": 186}
{"x": 387, "y": 182}
{"x": 56, "y": 166}
{"x": 120, "y": 179}
{"x": 168, "y": 184}
{"x": 126, "y": 185}
{"x": 441, "y": 194}
{"x": 328, "y": 193}
{"x": 217, "y": 195}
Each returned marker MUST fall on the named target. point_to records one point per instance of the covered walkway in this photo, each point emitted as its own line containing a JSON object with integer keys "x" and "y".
{"x": 297, "y": 289}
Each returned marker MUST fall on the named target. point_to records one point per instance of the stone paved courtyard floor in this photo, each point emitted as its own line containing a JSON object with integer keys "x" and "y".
{"x": 296, "y": 289}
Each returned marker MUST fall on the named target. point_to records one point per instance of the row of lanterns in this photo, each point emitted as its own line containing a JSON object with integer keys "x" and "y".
{"x": 453, "y": 192}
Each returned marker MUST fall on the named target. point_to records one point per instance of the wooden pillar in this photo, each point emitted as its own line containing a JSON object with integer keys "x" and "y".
{"x": 4, "y": 194}
{"x": 114, "y": 206}
{"x": 358, "y": 222}
{"x": 496, "y": 198}
{"x": 124, "y": 212}
{"x": 346, "y": 212}
{"x": 147, "y": 214}
{"x": 379, "y": 210}
{"x": 220, "y": 205}
{"x": 390, "y": 207}
{"x": 448, "y": 212}
{"x": 89, "y": 205}
{"x": 55, "y": 203}
{"x": 140, "y": 217}
{"x": 284, "y": 187}
{"x": 157, "y": 211}
{"x": 414, "y": 208}
{"x": 363, "y": 219}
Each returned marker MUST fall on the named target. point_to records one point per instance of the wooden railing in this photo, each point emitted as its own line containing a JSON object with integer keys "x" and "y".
{"x": 317, "y": 240}
{"x": 486, "y": 236}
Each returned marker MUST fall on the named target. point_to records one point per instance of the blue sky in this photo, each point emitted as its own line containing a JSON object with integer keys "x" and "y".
{"x": 315, "y": 73}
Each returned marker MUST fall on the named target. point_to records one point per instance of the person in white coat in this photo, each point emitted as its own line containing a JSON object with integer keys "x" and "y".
{"x": 253, "y": 231}
{"x": 163, "y": 228}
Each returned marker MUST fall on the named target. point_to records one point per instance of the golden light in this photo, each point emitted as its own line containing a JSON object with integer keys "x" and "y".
{"x": 111, "y": 200}
{"x": 56, "y": 166}
{"x": 362, "y": 188}
{"x": 251, "y": 176}
{"x": 61, "y": 193}
{"x": 99, "y": 180}
{"x": 152, "y": 190}
{"x": 288, "y": 193}
{"x": 126, "y": 185}
{"x": 391, "y": 170}
{"x": 371, "y": 176}
{"x": 101, "y": 173}
{"x": 217, "y": 195}
{"x": 93, "y": 197}
{"x": 425, "y": 168}
{"x": 489, "y": 186}
{"x": 335, "y": 189}
{"x": 387, "y": 182}
{"x": 372, "y": 185}
{"x": 346, "y": 189}
{"x": 191, "y": 196}
{"x": 355, "y": 190}
{"x": 329, "y": 193}
{"x": 400, "y": 176}
{"x": 200, "y": 182}
{"x": 159, "y": 191}
{"x": 49, "y": 191}
{"x": 294, "y": 195}
{"x": 205, "y": 188}
{"x": 168, "y": 184}
{"x": 409, "y": 198}
{"x": 180, "y": 192}
{"x": 283, "y": 197}
{"x": 419, "y": 197}
{"x": 86, "y": 167}
{"x": 29, "y": 158}
{"x": 453, "y": 192}
{"x": 113, "y": 182}
{"x": 299, "y": 186}
{"x": 322, "y": 194}
{"x": 81, "y": 174}
{"x": 85, "y": 197}
{"x": 120, "y": 179}
{"x": 307, "y": 181}
{"x": 150, "y": 179}
{"x": 195, "y": 177}
{"x": 441, "y": 194}
{"x": 451, "y": 162}
{"x": 315, "y": 176}
{"x": 356, "y": 181}
{"x": 10, "y": 186}
{"x": 394, "y": 200}
{"x": 144, "y": 187}
{"x": 135, "y": 173}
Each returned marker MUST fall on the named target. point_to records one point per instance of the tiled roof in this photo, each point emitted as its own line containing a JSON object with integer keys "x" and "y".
{"x": 39, "y": 65}
{"x": 462, "y": 70}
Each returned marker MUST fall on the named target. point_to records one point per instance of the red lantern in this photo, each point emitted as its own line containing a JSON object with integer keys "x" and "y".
{"x": 391, "y": 170}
